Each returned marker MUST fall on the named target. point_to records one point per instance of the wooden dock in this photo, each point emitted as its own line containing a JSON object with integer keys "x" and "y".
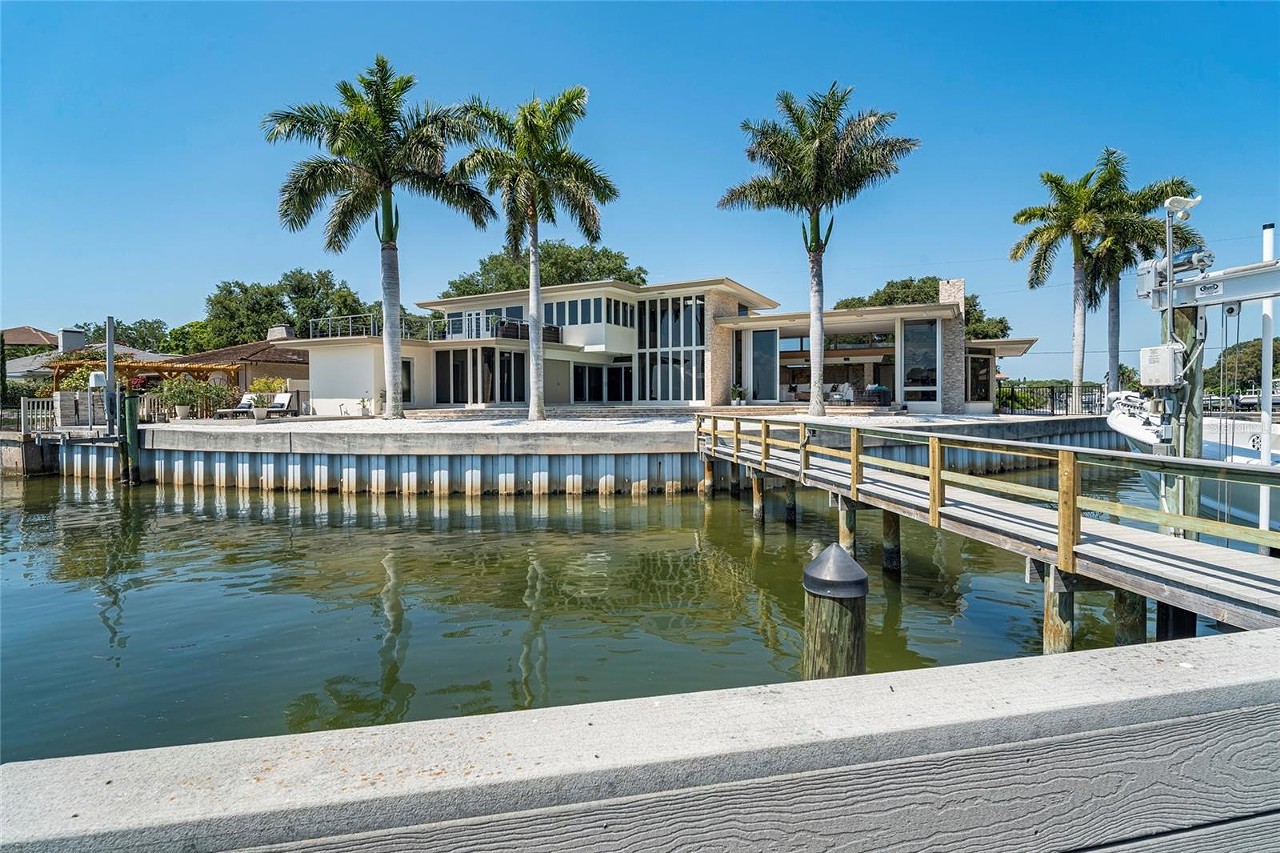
{"x": 1071, "y": 541}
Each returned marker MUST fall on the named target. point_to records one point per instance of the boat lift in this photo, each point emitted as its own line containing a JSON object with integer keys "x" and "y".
{"x": 1167, "y": 366}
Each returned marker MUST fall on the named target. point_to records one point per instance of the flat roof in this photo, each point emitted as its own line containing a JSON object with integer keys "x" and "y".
{"x": 844, "y": 321}
{"x": 745, "y": 295}
{"x": 1003, "y": 347}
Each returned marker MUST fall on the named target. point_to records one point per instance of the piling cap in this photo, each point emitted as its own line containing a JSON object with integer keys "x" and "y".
{"x": 834, "y": 574}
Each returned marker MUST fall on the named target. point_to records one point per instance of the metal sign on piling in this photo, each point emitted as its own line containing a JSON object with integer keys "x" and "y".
{"x": 835, "y": 616}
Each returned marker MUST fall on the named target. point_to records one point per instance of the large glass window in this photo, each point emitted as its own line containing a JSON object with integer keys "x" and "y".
{"x": 573, "y": 313}
{"x": 406, "y": 380}
{"x": 764, "y": 364}
{"x": 671, "y": 360}
{"x": 920, "y": 360}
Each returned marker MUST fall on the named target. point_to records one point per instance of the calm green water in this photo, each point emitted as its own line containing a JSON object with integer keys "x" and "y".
{"x": 153, "y": 617}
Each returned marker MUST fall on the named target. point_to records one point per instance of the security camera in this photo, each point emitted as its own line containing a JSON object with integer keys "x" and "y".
{"x": 1231, "y": 309}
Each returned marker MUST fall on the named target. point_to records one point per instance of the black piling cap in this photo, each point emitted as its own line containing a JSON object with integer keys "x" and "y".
{"x": 834, "y": 574}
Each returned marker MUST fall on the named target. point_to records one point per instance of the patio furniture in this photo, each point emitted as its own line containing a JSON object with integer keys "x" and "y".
{"x": 244, "y": 407}
{"x": 282, "y": 405}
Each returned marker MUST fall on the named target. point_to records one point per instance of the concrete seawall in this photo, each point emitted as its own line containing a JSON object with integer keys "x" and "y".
{"x": 1168, "y": 746}
{"x": 598, "y": 460}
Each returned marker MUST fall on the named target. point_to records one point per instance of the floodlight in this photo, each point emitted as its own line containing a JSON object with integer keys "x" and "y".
{"x": 1181, "y": 204}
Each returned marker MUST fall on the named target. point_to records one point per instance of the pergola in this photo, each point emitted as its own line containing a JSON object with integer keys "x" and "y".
{"x": 127, "y": 370}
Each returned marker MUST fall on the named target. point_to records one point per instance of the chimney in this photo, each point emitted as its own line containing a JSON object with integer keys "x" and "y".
{"x": 280, "y": 332}
{"x": 70, "y": 339}
{"x": 952, "y": 290}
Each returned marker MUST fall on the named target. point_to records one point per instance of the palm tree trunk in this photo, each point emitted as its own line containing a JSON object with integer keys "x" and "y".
{"x": 1113, "y": 334}
{"x": 1077, "y": 330}
{"x": 537, "y": 401}
{"x": 391, "y": 328}
{"x": 816, "y": 335}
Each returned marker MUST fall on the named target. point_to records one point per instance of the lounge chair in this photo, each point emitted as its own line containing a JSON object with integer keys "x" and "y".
{"x": 282, "y": 405}
{"x": 244, "y": 407}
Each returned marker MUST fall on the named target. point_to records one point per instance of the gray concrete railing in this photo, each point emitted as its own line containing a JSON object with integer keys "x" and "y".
{"x": 1170, "y": 746}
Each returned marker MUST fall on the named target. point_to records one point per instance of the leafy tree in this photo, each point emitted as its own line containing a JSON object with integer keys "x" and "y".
{"x": 375, "y": 143}
{"x": 1074, "y": 216}
{"x": 529, "y": 161}
{"x": 978, "y": 325}
{"x": 316, "y": 295}
{"x": 1239, "y": 367}
{"x": 558, "y": 263}
{"x": 142, "y": 334}
{"x": 239, "y": 313}
{"x": 1129, "y": 234}
{"x": 189, "y": 338}
{"x": 817, "y": 158}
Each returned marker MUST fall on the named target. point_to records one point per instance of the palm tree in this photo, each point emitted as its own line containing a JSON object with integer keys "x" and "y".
{"x": 530, "y": 162}
{"x": 1129, "y": 235}
{"x": 1073, "y": 215}
{"x": 374, "y": 144}
{"x": 816, "y": 158}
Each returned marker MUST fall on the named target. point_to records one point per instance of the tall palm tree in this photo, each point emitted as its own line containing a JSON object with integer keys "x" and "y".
{"x": 1074, "y": 215}
{"x": 816, "y": 158}
{"x": 528, "y": 159}
{"x": 375, "y": 143}
{"x": 1129, "y": 234}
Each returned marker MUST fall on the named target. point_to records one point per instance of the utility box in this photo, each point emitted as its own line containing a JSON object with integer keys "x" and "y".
{"x": 1161, "y": 367}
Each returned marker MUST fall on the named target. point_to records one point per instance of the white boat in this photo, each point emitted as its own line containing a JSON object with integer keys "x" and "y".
{"x": 1225, "y": 439}
{"x": 1250, "y": 399}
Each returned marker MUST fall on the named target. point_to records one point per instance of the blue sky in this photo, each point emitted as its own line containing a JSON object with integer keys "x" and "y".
{"x": 135, "y": 176}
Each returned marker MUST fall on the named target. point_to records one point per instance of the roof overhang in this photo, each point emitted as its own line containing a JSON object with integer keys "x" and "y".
{"x": 745, "y": 295}
{"x": 845, "y": 321}
{"x": 1003, "y": 347}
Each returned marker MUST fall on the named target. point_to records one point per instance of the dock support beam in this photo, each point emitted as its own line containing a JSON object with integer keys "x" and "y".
{"x": 757, "y": 497}
{"x": 1059, "y": 611}
{"x": 892, "y": 541}
{"x": 848, "y": 523}
{"x": 790, "y": 512}
{"x": 1174, "y": 623}
{"x": 835, "y": 616}
{"x": 1130, "y": 611}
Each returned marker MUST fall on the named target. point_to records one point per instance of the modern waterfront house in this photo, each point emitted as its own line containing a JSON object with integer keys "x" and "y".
{"x": 681, "y": 343}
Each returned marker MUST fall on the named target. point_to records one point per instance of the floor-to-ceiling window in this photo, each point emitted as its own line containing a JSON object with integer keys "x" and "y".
{"x": 671, "y": 349}
{"x": 920, "y": 360}
{"x": 406, "y": 380}
{"x": 764, "y": 364}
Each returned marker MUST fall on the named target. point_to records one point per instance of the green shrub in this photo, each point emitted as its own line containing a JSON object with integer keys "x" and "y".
{"x": 268, "y": 385}
{"x": 16, "y": 389}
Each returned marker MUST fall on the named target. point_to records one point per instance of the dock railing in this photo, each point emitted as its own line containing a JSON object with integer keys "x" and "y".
{"x": 826, "y": 456}
{"x": 36, "y": 414}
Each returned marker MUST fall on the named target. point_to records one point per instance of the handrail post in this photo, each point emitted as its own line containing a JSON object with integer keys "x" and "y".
{"x": 804, "y": 448}
{"x": 937, "y": 494}
{"x": 737, "y": 439}
{"x": 855, "y": 461}
{"x": 1068, "y": 512}
{"x": 764, "y": 443}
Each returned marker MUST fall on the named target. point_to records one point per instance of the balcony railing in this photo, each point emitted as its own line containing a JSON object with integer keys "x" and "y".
{"x": 437, "y": 329}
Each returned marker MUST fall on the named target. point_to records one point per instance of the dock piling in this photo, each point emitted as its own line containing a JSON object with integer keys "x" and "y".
{"x": 1130, "y": 611}
{"x": 708, "y": 484}
{"x": 735, "y": 480}
{"x": 835, "y": 616}
{"x": 1174, "y": 623}
{"x": 757, "y": 497}
{"x": 790, "y": 511}
{"x": 847, "y": 523}
{"x": 891, "y": 561}
{"x": 131, "y": 470}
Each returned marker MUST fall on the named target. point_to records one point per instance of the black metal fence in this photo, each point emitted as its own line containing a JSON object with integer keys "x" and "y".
{"x": 1020, "y": 399}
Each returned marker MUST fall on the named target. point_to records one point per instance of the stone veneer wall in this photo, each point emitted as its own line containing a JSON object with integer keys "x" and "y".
{"x": 953, "y": 361}
{"x": 719, "y": 358}
{"x": 72, "y": 408}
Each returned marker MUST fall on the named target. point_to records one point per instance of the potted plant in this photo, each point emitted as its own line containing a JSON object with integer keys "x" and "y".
{"x": 180, "y": 393}
{"x": 364, "y": 407}
{"x": 736, "y": 395}
{"x": 260, "y": 404}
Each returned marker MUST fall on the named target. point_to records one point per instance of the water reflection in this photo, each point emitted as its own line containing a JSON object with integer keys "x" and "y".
{"x": 235, "y": 613}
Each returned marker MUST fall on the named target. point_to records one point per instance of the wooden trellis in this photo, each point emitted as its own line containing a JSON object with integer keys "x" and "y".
{"x": 127, "y": 370}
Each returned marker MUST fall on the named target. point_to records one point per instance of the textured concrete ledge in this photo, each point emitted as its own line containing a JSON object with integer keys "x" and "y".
{"x": 1059, "y": 752}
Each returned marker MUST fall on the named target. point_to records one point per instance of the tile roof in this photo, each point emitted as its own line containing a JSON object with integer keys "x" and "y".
{"x": 29, "y": 336}
{"x": 258, "y": 351}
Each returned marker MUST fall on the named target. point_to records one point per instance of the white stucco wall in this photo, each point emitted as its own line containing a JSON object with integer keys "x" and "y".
{"x": 342, "y": 374}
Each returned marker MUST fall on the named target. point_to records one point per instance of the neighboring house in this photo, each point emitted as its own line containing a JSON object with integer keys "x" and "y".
{"x": 674, "y": 344}
{"x": 71, "y": 341}
{"x": 258, "y": 359}
{"x": 29, "y": 336}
